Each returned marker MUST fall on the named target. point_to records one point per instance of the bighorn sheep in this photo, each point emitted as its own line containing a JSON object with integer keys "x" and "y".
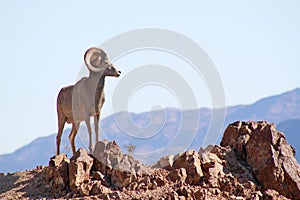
{"x": 76, "y": 103}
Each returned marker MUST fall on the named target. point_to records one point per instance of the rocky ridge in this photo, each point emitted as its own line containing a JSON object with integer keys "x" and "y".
{"x": 253, "y": 161}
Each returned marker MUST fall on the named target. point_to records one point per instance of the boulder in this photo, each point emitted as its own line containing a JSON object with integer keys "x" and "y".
{"x": 124, "y": 172}
{"x": 97, "y": 175}
{"x": 108, "y": 154}
{"x": 212, "y": 168}
{"x": 56, "y": 175}
{"x": 121, "y": 169}
{"x": 190, "y": 161}
{"x": 231, "y": 164}
{"x": 254, "y": 162}
{"x": 184, "y": 191}
{"x": 237, "y": 135}
{"x": 165, "y": 162}
{"x": 79, "y": 171}
{"x": 260, "y": 146}
{"x": 98, "y": 189}
{"x": 159, "y": 177}
{"x": 270, "y": 194}
{"x": 178, "y": 175}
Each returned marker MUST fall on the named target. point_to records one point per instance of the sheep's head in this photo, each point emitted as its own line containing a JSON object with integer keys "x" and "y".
{"x": 97, "y": 61}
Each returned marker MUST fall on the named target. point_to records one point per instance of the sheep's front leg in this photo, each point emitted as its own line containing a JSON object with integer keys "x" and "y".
{"x": 96, "y": 124}
{"x": 88, "y": 125}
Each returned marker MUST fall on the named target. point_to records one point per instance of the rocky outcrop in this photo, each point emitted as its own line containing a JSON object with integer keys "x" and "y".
{"x": 189, "y": 161}
{"x": 79, "y": 171}
{"x": 85, "y": 174}
{"x": 179, "y": 175}
{"x": 121, "y": 169}
{"x": 266, "y": 152}
{"x": 165, "y": 162}
{"x": 253, "y": 162}
{"x": 57, "y": 175}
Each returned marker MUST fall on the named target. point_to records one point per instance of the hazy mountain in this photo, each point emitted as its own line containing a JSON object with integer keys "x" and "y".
{"x": 274, "y": 109}
{"x": 36, "y": 153}
{"x": 164, "y": 131}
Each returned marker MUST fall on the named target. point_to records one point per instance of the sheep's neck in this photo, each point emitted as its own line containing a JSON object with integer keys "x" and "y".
{"x": 96, "y": 81}
{"x": 97, "y": 85}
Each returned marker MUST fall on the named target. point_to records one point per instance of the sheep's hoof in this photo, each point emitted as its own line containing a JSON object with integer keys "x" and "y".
{"x": 91, "y": 150}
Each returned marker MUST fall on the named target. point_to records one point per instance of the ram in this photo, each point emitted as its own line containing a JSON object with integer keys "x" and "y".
{"x": 77, "y": 103}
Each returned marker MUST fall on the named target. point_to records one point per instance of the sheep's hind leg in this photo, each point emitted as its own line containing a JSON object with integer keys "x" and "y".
{"x": 75, "y": 126}
{"x": 61, "y": 124}
{"x": 88, "y": 125}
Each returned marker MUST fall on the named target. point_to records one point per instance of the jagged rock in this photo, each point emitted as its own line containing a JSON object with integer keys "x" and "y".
{"x": 191, "y": 163}
{"x": 266, "y": 151}
{"x": 165, "y": 162}
{"x": 257, "y": 195}
{"x": 178, "y": 175}
{"x": 96, "y": 175}
{"x": 108, "y": 153}
{"x": 123, "y": 173}
{"x": 79, "y": 172}
{"x": 2, "y": 174}
{"x": 255, "y": 162}
{"x": 270, "y": 194}
{"x": 97, "y": 189}
{"x": 222, "y": 170}
{"x": 209, "y": 194}
{"x": 140, "y": 169}
{"x": 173, "y": 195}
{"x": 122, "y": 169}
{"x": 57, "y": 174}
{"x": 212, "y": 167}
{"x": 278, "y": 169}
{"x": 159, "y": 177}
{"x": 231, "y": 164}
{"x": 114, "y": 195}
{"x": 184, "y": 191}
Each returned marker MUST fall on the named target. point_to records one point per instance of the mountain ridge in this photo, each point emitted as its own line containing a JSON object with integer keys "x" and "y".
{"x": 276, "y": 108}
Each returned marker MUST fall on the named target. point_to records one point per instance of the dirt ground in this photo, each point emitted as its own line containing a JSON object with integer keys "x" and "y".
{"x": 28, "y": 184}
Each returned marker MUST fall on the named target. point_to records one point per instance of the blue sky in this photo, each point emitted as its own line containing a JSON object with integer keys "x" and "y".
{"x": 255, "y": 46}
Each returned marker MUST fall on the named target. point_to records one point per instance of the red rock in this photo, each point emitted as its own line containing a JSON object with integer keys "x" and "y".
{"x": 165, "y": 162}
{"x": 267, "y": 152}
{"x": 212, "y": 167}
{"x": 97, "y": 189}
{"x": 232, "y": 164}
{"x": 255, "y": 162}
{"x": 191, "y": 163}
{"x": 79, "y": 171}
{"x": 270, "y": 194}
{"x": 178, "y": 175}
{"x": 56, "y": 174}
{"x": 108, "y": 155}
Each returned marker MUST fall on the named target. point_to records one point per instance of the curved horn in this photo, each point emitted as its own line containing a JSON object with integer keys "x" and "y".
{"x": 87, "y": 58}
